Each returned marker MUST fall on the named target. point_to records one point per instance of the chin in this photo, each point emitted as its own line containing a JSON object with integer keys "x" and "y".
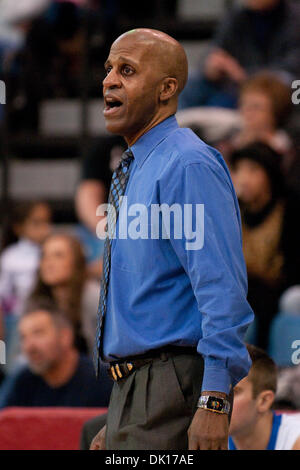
{"x": 114, "y": 128}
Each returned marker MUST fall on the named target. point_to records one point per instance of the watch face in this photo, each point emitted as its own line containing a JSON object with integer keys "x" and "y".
{"x": 215, "y": 403}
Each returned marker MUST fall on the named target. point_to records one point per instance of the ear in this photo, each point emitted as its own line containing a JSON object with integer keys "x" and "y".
{"x": 168, "y": 88}
{"x": 265, "y": 400}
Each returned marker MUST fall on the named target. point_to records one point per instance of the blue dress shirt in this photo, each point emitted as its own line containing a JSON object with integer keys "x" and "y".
{"x": 162, "y": 293}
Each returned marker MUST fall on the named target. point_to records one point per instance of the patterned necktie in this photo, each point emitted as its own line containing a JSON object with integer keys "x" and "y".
{"x": 117, "y": 189}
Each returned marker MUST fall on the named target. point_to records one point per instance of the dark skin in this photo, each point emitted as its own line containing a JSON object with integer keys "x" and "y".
{"x": 146, "y": 71}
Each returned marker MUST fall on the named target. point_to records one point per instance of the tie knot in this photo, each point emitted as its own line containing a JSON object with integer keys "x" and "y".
{"x": 127, "y": 156}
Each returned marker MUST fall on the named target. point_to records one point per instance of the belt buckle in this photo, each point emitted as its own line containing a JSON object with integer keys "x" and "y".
{"x": 117, "y": 373}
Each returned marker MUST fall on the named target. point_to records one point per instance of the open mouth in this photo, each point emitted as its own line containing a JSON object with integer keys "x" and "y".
{"x": 111, "y": 105}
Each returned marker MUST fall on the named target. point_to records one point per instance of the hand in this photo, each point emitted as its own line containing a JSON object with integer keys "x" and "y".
{"x": 98, "y": 443}
{"x": 219, "y": 63}
{"x": 208, "y": 431}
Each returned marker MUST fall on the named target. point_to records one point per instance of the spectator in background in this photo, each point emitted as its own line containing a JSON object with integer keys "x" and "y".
{"x": 92, "y": 191}
{"x": 270, "y": 231}
{"x": 50, "y": 64}
{"x": 254, "y": 426}
{"x": 27, "y": 226}
{"x": 62, "y": 278}
{"x": 261, "y": 34}
{"x": 56, "y": 374}
{"x": 264, "y": 105}
{"x": 288, "y": 390}
{"x": 16, "y": 20}
{"x": 265, "y": 102}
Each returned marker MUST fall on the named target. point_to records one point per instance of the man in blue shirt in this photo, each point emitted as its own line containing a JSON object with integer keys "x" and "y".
{"x": 173, "y": 308}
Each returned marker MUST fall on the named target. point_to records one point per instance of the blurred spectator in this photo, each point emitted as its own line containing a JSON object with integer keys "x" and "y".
{"x": 92, "y": 191}
{"x": 15, "y": 21}
{"x": 264, "y": 105}
{"x": 261, "y": 34}
{"x": 96, "y": 176}
{"x": 288, "y": 390}
{"x": 254, "y": 426}
{"x": 270, "y": 231}
{"x": 51, "y": 62}
{"x": 56, "y": 374}
{"x": 62, "y": 279}
{"x": 28, "y": 225}
{"x": 22, "y": 11}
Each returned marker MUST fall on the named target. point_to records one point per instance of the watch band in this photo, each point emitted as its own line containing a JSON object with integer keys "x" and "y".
{"x": 215, "y": 404}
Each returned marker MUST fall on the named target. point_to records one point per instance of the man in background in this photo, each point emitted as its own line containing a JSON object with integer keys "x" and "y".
{"x": 254, "y": 426}
{"x": 56, "y": 375}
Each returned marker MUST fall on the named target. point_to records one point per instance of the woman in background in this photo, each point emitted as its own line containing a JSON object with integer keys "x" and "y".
{"x": 264, "y": 106}
{"x": 270, "y": 231}
{"x": 63, "y": 278}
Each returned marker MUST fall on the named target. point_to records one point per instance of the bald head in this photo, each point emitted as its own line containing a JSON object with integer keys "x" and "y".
{"x": 167, "y": 53}
{"x": 145, "y": 72}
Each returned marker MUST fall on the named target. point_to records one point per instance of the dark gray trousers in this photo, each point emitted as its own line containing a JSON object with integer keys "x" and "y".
{"x": 153, "y": 407}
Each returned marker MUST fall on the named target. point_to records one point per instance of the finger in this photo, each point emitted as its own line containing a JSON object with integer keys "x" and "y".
{"x": 193, "y": 443}
{"x": 94, "y": 445}
{"x": 102, "y": 446}
{"x": 224, "y": 445}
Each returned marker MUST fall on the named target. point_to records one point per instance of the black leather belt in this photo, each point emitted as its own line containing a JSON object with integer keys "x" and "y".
{"x": 121, "y": 369}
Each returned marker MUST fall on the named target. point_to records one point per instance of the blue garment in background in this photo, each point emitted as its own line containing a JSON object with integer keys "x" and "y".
{"x": 273, "y": 437}
{"x": 93, "y": 246}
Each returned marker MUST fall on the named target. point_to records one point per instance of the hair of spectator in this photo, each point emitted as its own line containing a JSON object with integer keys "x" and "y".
{"x": 275, "y": 89}
{"x": 46, "y": 305}
{"x": 76, "y": 282}
{"x": 18, "y": 214}
{"x": 268, "y": 159}
{"x": 263, "y": 372}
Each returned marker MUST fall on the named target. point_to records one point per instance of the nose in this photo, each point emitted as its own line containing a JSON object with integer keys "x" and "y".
{"x": 111, "y": 80}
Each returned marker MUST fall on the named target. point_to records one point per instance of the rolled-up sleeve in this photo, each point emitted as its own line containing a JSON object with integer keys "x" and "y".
{"x": 216, "y": 270}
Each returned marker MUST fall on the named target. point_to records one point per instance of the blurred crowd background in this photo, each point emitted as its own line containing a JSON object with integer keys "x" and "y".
{"x": 57, "y": 160}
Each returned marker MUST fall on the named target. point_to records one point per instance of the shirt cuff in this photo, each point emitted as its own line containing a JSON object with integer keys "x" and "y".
{"x": 216, "y": 380}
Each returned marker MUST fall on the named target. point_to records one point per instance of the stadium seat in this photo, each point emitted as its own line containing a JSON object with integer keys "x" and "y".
{"x": 285, "y": 329}
{"x": 46, "y": 428}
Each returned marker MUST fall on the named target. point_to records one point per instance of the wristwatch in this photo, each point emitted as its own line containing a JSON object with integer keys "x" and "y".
{"x": 215, "y": 404}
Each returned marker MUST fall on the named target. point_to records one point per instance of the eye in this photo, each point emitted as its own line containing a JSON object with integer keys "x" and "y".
{"x": 108, "y": 69}
{"x": 127, "y": 70}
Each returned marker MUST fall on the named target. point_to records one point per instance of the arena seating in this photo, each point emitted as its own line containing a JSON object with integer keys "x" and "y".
{"x": 43, "y": 428}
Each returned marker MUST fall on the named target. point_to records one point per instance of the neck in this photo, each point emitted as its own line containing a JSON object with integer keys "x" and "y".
{"x": 63, "y": 370}
{"x": 255, "y": 437}
{"x": 61, "y": 294}
{"x": 130, "y": 140}
{"x": 259, "y": 203}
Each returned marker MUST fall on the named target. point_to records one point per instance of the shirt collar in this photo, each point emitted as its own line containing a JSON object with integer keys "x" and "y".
{"x": 147, "y": 142}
